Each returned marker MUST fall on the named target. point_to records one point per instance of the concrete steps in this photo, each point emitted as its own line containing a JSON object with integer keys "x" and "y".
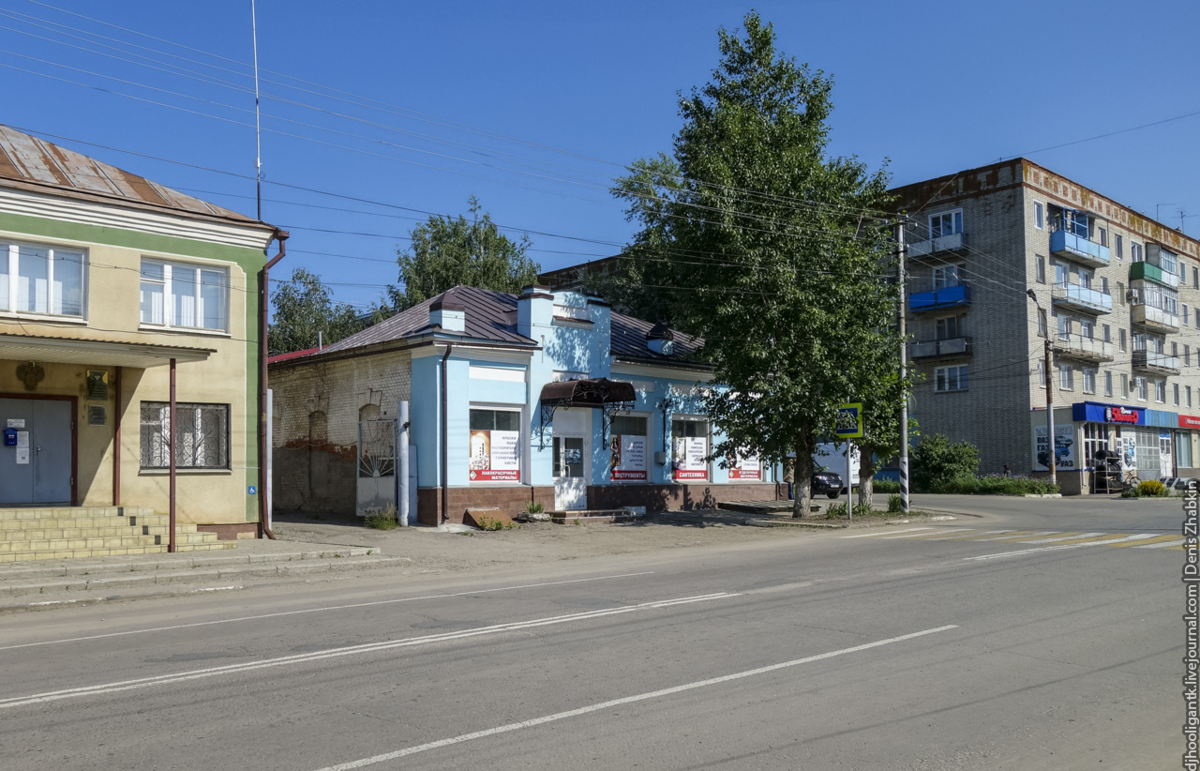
{"x": 32, "y": 534}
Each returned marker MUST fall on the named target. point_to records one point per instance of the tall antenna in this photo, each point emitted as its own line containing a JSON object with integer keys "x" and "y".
{"x": 257, "y": 118}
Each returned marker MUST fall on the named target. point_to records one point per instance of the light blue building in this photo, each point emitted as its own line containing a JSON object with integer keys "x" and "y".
{"x": 549, "y": 397}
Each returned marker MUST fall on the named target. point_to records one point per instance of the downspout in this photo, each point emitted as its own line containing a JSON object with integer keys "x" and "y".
{"x": 263, "y": 417}
{"x": 116, "y": 496}
{"x": 445, "y": 438}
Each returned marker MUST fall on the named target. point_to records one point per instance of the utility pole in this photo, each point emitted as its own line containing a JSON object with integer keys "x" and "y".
{"x": 903, "y": 366}
{"x": 257, "y": 118}
{"x": 1053, "y": 460}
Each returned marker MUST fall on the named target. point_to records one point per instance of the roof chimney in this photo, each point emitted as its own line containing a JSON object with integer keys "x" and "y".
{"x": 661, "y": 339}
{"x": 535, "y": 308}
{"x": 449, "y": 313}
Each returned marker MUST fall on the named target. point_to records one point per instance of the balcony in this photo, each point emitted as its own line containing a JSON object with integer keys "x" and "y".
{"x": 1155, "y": 363}
{"x": 956, "y": 296}
{"x": 1083, "y": 348}
{"x": 1078, "y": 248}
{"x": 955, "y": 346}
{"x": 1081, "y": 298}
{"x": 1149, "y": 272}
{"x": 1153, "y": 319}
{"x": 955, "y": 242}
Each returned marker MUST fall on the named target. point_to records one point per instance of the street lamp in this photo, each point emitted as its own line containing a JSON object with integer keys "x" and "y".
{"x": 1053, "y": 461}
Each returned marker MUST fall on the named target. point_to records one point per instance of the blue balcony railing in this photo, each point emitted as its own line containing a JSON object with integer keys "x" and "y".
{"x": 1072, "y": 246}
{"x": 945, "y": 297}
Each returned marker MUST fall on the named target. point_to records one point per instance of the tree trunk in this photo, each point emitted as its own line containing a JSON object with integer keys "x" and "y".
{"x": 803, "y": 474}
{"x": 866, "y": 472}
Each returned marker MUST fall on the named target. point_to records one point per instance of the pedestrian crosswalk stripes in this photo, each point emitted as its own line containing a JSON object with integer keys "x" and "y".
{"x": 1055, "y": 538}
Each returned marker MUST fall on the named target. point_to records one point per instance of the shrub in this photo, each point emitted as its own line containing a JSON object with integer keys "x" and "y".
{"x": 1131, "y": 492}
{"x": 487, "y": 523}
{"x": 885, "y": 486}
{"x": 839, "y": 511}
{"x": 534, "y": 508}
{"x": 895, "y": 505}
{"x": 384, "y": 520}
{"x": 936, "y": 462}
{"x": 994, "y": 484}
{"x": 1152, "y": 487}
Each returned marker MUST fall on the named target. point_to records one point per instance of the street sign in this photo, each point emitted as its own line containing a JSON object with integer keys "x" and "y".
{"x": 849, "y": 421}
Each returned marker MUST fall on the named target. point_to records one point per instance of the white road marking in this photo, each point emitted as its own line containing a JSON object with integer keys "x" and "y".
{"x": 350, "y": 650}
{"x": 972, "y": 536}
{"x": 1126, "y": 539}
{"x": 1065, "y": 538}
{"x": 924, "y": 535}
{"x": 1023, "y": 552}
{"x": 1163, "y": 545}
{"x": 312, "y": 610}
{"x": 888, "y": 532}
{"x": 370, "y": 761}
{"x": 1017, "y": 534}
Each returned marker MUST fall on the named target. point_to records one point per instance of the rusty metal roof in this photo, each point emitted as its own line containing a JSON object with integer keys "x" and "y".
{"x": 34, "y": 163}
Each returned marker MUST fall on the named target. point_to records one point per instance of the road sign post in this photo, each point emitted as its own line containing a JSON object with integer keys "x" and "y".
{"x": 849, "y": 426}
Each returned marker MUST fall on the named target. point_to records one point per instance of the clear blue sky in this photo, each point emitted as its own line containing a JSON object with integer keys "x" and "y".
{"x": 932, "y": 87}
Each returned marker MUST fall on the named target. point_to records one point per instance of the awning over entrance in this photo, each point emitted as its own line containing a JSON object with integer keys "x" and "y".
{"x": 64, "y": 350}
{"x": 593, "y": 392}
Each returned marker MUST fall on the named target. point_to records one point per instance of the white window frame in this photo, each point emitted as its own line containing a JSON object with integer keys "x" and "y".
{"x": 169, "y": 295}
{"x": 1175, "y": 393}
{"x": 1142, "y": 389}
{"x": 1089, "y": 380}
{"x": 10, "y": 253}
{"x": 523, "y": 440}
{"x": 708, "y": 438}
{"x": 1160, "y": 391}
{"x": 1066, "y": 377}
{"x": 1120, "y": 245}
{"x": 1108, "y": 387}
{"x": 956, "y": 223}
{"x": 942, "y": 379}
{"x": 1136, "y": 252}
{"x": 1039, "y": 215}
{"x": 946, "y": 276}
{"x": 649, "y": 418}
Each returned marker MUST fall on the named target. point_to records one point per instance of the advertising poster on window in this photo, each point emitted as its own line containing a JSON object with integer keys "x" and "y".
{"x": 1064, "y": 448}
{"x": 628, "y": 457}
{"x": 1164, "y": 454}
{"x": 495, "y": 456}
{"x": 745, "y": 466}
{"x": 689, "y": 453}
{"x": 1127, "y": 447}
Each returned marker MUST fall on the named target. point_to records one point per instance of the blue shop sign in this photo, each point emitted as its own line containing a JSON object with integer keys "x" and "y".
{"x": 1094, "y": 412}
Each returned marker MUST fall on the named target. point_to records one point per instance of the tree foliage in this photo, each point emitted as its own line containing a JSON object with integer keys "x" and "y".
{"x": 446, "y": 252}
{"x": 305, "y": 314}
{"x": 753, "y": 237}
{"x": 936, "y": 462}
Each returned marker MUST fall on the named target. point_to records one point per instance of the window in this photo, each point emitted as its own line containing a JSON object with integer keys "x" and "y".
{"x": 41, "y": 279}
{"x": 1095, "y": 438}
{"x": 1086, "y": 327}
{"x": 689, "y": 449}
{"x": 950, "y": 379}
{"x": 628, "y": 446}
{"x": 1185, "y": 315}
{"x": 945, "y": 224}
{"x": 1135, "y": 252}
{"x": 1196, "y": 278}
{"x": 1120, "y": 246}
{"x": 1121, "y": 292}
{"x": 1141, "y": 389}
{"x": 1124, "y": 388}
{"x": 951, "y": 327}
{"x": 495, "y": 445}
{"x": 1041, "y": 373}
{"x": 1060, "y": 274}
{"x": 1066, "y": 377}
{"x": 945, "y": 276}
{"x": 1107, "y": 333}
{"x": 1187, "y": 356}
{"x": 1089, "y": 381}
{"x": 1103, "y": 236}
{"x": 1039, "y": 215}
{"x": 1188, "y": 392}
{"x": 1041, "y": 322}
{"x": 1041, "y": 269}
{"x": 1183, "y": 449}
{"x": 1108, "y": 391}
{"x": 1104, "y": 284}
{"x": 1122, "y": 340}
{"x": 1064, "y": 326}
{"x": 201, "y": 436}
{"x": 185, "y": 296}
{"x": 1175, "y": 350}
{"x": 1176, "y": 394}
{"x": 1160, "y": 391}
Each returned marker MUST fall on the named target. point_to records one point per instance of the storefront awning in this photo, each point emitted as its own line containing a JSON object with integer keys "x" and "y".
{"x": 592, "y": 392}
{"x": 113, "y": 353}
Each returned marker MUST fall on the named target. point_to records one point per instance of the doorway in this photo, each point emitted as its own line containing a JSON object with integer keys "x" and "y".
{"x": 37, "y": 459}
{"x": 572, "y": 461}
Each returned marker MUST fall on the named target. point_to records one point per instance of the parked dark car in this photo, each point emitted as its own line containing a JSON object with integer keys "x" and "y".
{"x": 827, "y": 482}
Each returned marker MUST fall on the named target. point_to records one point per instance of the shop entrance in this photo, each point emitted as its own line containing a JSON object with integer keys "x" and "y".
{"x": 572, "y": 464}
{"x": 36, "y": 465}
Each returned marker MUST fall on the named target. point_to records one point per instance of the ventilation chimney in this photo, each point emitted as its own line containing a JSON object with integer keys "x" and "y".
{"x": 661, "y": 339}
{"x": 449, "y": 313}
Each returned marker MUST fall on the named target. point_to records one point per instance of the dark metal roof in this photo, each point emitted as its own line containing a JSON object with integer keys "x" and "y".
{"x": 36, "y": 164}
{"x": 629, "y": 336}
{"x": 590, "y": 392}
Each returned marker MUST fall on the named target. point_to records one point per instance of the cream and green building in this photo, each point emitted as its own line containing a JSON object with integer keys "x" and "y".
{"x": 112, "y": 287}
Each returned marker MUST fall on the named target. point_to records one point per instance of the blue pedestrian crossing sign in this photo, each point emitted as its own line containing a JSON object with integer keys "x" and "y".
{"x": 849, "y": 421}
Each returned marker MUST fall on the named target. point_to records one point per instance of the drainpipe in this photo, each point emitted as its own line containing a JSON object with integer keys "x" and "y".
{"x": 117, "y": 438}
{"x": 445, "y": 439}
{"x": 171, "y": 462}
{"x": 263, "y": 417}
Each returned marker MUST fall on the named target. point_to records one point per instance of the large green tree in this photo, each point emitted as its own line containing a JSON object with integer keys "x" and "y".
{"x": 755, "y": 238}
{"x": 446, "y": 252}
{"x": 305, "y": 314}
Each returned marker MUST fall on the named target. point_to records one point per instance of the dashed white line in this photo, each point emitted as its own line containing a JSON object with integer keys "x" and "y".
{"x": 1163, "y": 545}
{"x": 1065, "y": 538}
{"x": 924, "y": 535}
{"x": 888, "y": 532}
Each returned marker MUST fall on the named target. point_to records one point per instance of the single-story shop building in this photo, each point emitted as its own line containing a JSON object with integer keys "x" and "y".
{"x": 547, "y": 397}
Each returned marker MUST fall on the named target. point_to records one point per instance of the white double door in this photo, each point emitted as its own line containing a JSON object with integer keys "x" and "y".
{"x": 572, "y": 458}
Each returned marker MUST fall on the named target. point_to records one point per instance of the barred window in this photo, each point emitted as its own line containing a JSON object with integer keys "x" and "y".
{"x": 201, "y": 436}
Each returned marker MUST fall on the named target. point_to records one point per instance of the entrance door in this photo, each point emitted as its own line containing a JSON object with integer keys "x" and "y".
{"x": 38, "y": 470}
{"x": 570, "y": 485}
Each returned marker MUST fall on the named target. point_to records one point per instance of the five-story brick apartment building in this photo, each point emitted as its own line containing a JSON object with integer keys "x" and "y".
{"x": 1005, "y": 257}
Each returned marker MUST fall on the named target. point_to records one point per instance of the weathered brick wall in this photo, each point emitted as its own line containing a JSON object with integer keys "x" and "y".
{"x": 315, "y": 413}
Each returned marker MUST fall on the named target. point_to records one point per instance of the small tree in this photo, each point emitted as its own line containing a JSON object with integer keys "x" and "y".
{"x": 881, "y": 431}
{"x": 936, "y": 462}
{"x": 446, "y": 253}
{"x": 305, "y": 314}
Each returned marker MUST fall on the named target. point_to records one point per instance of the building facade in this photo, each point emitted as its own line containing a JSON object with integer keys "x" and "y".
{"x": 111, "y": 288}
{"x": 547, "y": 397}
{"x": 1005, "y": 258}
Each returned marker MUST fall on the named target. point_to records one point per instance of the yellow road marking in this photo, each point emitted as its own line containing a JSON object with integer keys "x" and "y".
{"x": 1096, "y": 539}
{"x": 1144, "y": 541}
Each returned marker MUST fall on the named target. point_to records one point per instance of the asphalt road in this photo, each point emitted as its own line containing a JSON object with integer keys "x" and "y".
{"x": 902, "y": 648}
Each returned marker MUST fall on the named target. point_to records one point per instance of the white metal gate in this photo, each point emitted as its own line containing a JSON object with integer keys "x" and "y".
{"x": 376, "y": 492}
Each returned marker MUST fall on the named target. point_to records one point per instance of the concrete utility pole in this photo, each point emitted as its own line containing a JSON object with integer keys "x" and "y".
{"x": 903, "y": 366}
{"x": 1053, "y": 461}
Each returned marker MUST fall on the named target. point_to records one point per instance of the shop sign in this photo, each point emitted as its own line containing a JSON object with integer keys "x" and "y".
{"x": 1093, "y": 412}
{"x": 495, "y": 456}
{"x": 689, "y": 457}
{"x": 1189, "y": 421}
{"x": 746, "y": 467}
{"x": 628, "y": 457}
{"x": 1064, "y": 448}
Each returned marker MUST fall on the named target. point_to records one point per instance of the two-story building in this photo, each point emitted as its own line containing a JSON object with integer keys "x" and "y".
{"x": 119, "y": 296}
{"x": 547, "y": 397}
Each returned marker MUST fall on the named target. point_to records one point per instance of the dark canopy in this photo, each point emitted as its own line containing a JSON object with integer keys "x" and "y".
{"x": 592, "y": 392}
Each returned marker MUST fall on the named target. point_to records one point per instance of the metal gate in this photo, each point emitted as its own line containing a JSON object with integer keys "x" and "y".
{"x": 376, "y": 468}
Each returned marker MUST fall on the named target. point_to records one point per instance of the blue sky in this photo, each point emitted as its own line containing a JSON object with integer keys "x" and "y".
{"x": 479, "y": 98}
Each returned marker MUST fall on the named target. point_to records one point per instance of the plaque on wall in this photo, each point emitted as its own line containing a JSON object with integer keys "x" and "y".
{"x": 97, "y": 414}
{"x": 97, "y": 384}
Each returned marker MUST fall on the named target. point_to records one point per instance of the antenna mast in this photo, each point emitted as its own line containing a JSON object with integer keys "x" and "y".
{"x": 257, "y": 118}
